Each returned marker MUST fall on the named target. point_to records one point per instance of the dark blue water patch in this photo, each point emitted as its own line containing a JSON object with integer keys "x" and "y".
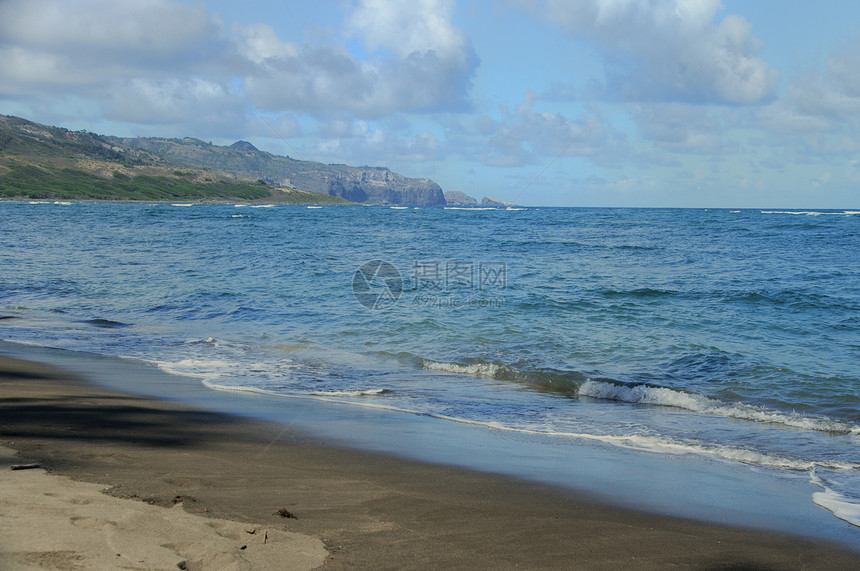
{"x": 106, "y": 323}
{"x": 793, "y": 299}
{"x": 636, "y": 248}
{"x": 40, "y": 287}
{"x": 574, "y": 304}
{"x": 708, "y": 365}
{"x": 643, "y": 293}
{"x": 849, "y": 323}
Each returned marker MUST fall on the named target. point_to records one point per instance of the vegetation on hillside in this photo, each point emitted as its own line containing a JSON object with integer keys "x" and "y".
{"x": 41, "y": 162}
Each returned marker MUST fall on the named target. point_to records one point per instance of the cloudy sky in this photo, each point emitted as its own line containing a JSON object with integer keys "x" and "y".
{"x": 542, "y": 102}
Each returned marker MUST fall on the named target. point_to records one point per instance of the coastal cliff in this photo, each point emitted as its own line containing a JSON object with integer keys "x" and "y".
{"x": 43, "y": 162}
{"x": 373, "y": 185}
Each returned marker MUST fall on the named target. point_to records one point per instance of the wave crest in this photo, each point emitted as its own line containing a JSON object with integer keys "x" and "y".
{"x": 650, "y": 394}
{"x": 552, "y": 380}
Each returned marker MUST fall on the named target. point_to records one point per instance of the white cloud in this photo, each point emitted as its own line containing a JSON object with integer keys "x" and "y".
{"x": 527, "y": 136}
{"x": 835, "y": 93}
{"x": 683, "y": 128}
{"x": 784, "y": 118}
{"x": 155, "y": 62}
{"x": 204, "y": 107}
{"x": 820, "y": 113}
{"x": 367, "y": 142}
{"x": 419, "y": 62}
{"x": 404, "y": 27}
{"x": 141, "y": 60}
{"x": 260, "y": 43}
{"x": 156, "y": 27}
{"x": 90, "y": 38}
{"x": 669, "y": 50}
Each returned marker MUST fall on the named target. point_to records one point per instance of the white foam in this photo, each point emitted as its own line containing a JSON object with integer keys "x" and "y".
{"x": 705, "y": 405}
{"x": 807, "y": 212}
{"x": 353, "y": 393}
{"x": 662, "y": 445}
{"x": 643, "y": 443}
{"x": 183, "y": 204}
{"x": 240, "y": 389}
{"x": 399, "y": 207}
{"x": 836, "y": 504}
{"x": 483, "y": 370}
{"x": 469, "y": 208}
{"x": 198, "y": 368}
{"x": 843, "y": 506}
{"x": 262, "y": 206}
{"x": 314, "y": 206}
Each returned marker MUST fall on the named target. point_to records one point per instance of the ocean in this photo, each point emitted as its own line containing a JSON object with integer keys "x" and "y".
{"x": 728, "y": 336}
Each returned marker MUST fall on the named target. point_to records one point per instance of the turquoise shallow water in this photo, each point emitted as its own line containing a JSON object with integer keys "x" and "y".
{"x": 729, "y": 335}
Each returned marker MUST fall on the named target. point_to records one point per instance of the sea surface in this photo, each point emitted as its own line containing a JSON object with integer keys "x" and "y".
{"x": 731, "y": 335}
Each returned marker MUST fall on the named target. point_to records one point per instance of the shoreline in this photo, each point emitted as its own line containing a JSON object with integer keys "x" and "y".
{"x": 370, "y": 510}
{"x": 691, "y": 486}
{"x": 224, "y": 201}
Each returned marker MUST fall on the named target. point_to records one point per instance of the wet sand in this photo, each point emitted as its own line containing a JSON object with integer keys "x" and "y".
{"x": 366, "y": 510}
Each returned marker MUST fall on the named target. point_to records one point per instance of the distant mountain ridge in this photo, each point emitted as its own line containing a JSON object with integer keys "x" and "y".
{"x": 38, "y": 162}
{"x": 41, "y": 162}
{"x": 375, "y": 185}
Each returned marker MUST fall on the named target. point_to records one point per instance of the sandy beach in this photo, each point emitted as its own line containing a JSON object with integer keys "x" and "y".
{"x": 120, "y": 473}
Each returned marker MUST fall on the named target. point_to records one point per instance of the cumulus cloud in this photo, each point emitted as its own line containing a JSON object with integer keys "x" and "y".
{"x": 683, "y": 128}
{"x": 409, "y": 26}
{"x": 526, "y": 136}
{"x": 669, "y": 50}
{"x": 209, "y": 108}
{"x": 170, "y": 61}
{"x": 57, "y": 44}
{"x": 820, "y": 113}
{"x": 418, "y": 62}
{"x": 368, "y": 142}
{"x": 331, "y": 80}
{"x": 155, "y": 62}
{"x": 833, "y": 93}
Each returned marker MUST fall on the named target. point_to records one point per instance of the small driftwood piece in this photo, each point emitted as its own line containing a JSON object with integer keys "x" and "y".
{"x": 24, "y": 466}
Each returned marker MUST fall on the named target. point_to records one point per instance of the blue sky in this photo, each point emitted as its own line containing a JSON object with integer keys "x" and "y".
{"x": 541, "y": 102}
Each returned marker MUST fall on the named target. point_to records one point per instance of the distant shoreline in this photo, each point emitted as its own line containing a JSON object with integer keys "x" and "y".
{"x": 174, "y": 201}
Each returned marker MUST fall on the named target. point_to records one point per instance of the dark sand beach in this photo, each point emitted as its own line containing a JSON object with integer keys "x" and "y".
{"x": 370, "y": 511}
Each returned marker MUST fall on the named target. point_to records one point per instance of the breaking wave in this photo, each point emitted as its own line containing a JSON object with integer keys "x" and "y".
{"x": 663, "y": 396}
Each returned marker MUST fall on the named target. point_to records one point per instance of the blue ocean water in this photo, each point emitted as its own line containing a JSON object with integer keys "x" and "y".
{"x": 727, "y": 334}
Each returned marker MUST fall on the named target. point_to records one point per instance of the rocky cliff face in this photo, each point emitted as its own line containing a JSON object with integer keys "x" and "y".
{"x": 457, "y": 198}
{"x": 490, "y": 202}
{"x": 241, "y": 159}
{"x": 368, "y": 184}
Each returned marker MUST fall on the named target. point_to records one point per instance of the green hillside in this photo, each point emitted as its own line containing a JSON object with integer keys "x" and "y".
{"x": 41, "y": 162}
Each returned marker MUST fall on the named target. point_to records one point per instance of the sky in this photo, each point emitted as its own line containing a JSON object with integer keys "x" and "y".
{"x": 643, "y": 103}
